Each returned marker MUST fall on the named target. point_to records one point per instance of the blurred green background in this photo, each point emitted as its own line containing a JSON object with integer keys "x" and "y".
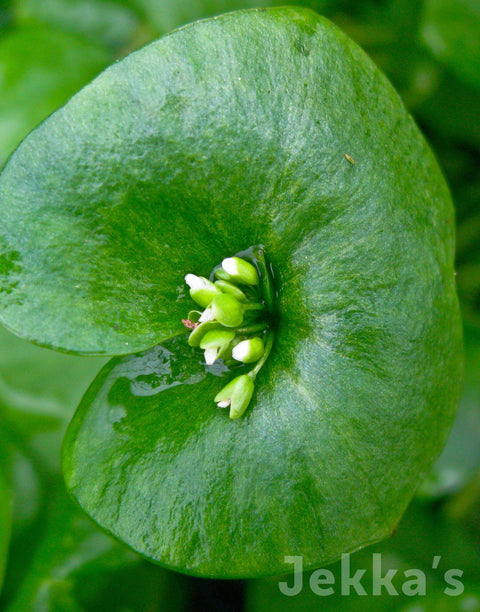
{"x": 55, "y": 558}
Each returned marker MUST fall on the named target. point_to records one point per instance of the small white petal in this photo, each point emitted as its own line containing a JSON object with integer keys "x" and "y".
{"x": 207, "y": 315}
{"x": 195, "y": 282}
{"x": 241, "y": 350}
{"x": 210, "y": 355}
{"x": 230, "y": 265}
{"x": 240, "y": 270}
{"x": 224, "y": 404}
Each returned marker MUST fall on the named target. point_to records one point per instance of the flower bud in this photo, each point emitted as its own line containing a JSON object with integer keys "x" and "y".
{"x": 237, "y": 394}
{"x": 215, "y": 342}
{"x": 240, "y": 271}
{"x": 201, "y": 289}
{"x": 227, "y": 287}
{"x": 221, "y": 274}
{"x": 249, "y": 351}
{"x": 199, "y": 332}
{"x": 227, "y": 310}
{"x": 207, "y": 315}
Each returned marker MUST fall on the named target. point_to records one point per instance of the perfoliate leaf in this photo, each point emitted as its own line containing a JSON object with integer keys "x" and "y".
{"x": 259, "y": 127}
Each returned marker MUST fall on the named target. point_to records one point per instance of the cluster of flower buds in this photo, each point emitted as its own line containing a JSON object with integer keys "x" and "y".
{"x": 230, "y": 327}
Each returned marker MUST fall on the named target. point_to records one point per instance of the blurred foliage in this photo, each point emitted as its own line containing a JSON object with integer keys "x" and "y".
{"x": 424, "y": 535}
{"x": 57, "y": 559}
{"x": 450, "y": 29}
{"x": 40, "y": 69}
{"x": 460, "y": 459}
{"x": 5, "y": 522}
{"x": 105, "y": 22}
{"x": 165, "y": 15}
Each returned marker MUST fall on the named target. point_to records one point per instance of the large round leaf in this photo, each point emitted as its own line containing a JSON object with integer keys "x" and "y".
{"x": 225, "y": 134}
{"x": 320, "y": 465}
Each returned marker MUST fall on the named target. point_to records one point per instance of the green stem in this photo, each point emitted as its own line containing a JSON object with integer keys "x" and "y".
{"x": 261, "y": 362}
{"x": 254, "y": 306}
{"x": 266, "y": 277}
{"x": 251, "y": 329}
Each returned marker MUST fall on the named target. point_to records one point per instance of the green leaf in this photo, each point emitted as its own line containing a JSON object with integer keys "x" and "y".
{"x": 41, "y": 68}
{"x": 460, "y": 458}
{"x": 152, "y": 460}
{"x": 229, "y": 133}
{"x": 63, "y": 562}
{"x": 5, "y": 15}
{"x": 425, "y": 535}
{"x": 165, "y": 15}
{"x": 469, "y": 289}
{"x": 451, "y": 31}
{"x": 5, "y": 522}
{"x": 111, "y": 23}
{"x": 389, "y": 31}
{"x": 39, "y": 391}
{"x": 103, "y": 272}
{"x": 20, "y": 474}
{"x": 69, "y": 548}
{"x": 439, "y": 602}
{"x": 42, "y": 381}
{"x": 452, "y": 111}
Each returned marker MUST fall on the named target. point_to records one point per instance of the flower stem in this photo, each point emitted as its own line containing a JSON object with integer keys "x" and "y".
{"x": 252, "y": 329}
{"x": 267, "y": 278}
{"x": 268, "y": 347}
{"x": 254, "y": 306}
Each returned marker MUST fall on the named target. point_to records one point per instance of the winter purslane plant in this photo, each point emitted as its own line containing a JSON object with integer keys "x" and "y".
{"x": 270, "y": 128}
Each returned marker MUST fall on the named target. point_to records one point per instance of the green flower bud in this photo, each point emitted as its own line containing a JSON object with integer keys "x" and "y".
{"x": 201, "y": 289}
{"x": 215, "y": 343}
{"x": 240, "y": 271}
{"x": 207, "y": 315}
{"x": 249, "y": 351}
{"x": 227, "y": 287}
{"x": 216, "y": 338}
{"x": 227, "y": 310}
{"x": 237, "y": 394}
{"x": 199, "y": 332}
{"x": 221, "y": 274}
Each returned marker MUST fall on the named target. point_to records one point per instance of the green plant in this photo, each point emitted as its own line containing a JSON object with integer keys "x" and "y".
{"x": 259, "y": 127}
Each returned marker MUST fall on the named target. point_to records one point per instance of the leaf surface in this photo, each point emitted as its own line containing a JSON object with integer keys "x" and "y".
{"x": 311, "y": 469}
{"x": 198, "y": 146}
